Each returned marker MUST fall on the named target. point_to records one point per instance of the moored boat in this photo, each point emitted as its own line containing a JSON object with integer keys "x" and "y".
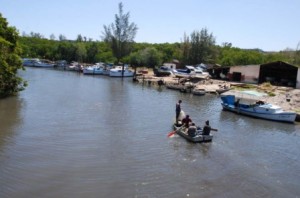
{"x": 93, "y": 70}
{"x": 35, "y": 62}
{"x": 256, "y": 108}
{"x": 119, "y": 72}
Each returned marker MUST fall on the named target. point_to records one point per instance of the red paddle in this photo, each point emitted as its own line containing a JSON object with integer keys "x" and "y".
{"x": 171, "y": 133}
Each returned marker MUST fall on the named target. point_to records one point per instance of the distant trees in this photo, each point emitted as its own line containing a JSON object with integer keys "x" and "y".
{"x": 120, "y": 35}
{"x": 199, "y": 47}
{"x": 229, "y": 56}
{"x": 149, "y": 57}
{"x": 10, "y": 61}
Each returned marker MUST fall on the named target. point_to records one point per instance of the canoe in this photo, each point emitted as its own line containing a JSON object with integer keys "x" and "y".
{"x": 196, "y": 139}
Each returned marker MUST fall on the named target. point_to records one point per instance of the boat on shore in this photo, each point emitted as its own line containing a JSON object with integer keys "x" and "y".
{"x": 198, "y": 138}
{"x": 257, "y": 108}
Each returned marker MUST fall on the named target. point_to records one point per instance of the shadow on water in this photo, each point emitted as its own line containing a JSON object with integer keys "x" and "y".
{"x": 9, "y": 118}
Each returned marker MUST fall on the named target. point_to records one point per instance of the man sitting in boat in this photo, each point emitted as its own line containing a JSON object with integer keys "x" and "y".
{"x": 186, "y": 121}
{"x": 192, "y": 130}
{"x": 206, "y": 128}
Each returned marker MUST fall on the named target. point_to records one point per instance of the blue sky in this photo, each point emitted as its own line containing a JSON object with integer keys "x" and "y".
{"x": 271, "y": 25}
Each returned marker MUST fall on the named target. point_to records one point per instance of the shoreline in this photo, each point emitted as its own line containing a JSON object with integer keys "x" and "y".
{"x": 287, "y": 98}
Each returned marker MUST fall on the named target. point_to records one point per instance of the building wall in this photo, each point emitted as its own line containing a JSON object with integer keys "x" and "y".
{"x": 298, "y": 79}
{"x": 250, "y": 73}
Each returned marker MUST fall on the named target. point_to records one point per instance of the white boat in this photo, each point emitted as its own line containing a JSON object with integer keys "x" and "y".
{"x": 35, "y": 62}
{"x": 256, "y": 108}
{"x": 96, "y": 69}
{"x": 198, "y": 72}
{"x": 184, "y": 73}
{"x": 119, "y": 72}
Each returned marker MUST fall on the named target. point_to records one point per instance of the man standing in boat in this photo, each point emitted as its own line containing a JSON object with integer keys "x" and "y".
{"x": 178, "y": 110}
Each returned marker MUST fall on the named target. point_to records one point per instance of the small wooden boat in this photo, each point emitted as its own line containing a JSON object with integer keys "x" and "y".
{"x": 198, "y": 138}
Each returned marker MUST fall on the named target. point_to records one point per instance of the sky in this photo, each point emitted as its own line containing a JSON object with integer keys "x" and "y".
{"x": 270, "y": 25}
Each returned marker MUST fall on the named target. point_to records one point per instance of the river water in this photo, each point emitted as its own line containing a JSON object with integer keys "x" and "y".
{"x": 71, "y": 135}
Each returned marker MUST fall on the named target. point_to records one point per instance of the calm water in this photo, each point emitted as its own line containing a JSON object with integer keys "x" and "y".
{"x": 70, "y": 135}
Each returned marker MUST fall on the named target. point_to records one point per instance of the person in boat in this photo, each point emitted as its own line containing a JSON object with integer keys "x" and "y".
{"x": 206, "y": 128}
{"x": 237, "y": 103}
{"x": 259, "y": 102}
{"x": 192, "y": 130}
{"x": 178, "y": 110}
{"x": 186, "y": 121}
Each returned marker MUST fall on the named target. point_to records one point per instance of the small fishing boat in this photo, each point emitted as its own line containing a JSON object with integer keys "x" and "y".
{"x": 256, "y": 108}
{"x": 198, "y": 138}
{"x": 199, "y": 92}
{"x": 93, "y": 70}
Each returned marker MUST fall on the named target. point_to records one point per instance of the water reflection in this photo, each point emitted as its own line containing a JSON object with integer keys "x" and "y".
{"x": 10, "y": 118}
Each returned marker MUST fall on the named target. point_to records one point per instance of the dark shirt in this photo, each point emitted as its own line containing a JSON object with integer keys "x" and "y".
{"x": 206, "y": 130}
{"x": 192, "y": 131}
{"x": 186, "y": 121}
{"x": 178, "y": 107}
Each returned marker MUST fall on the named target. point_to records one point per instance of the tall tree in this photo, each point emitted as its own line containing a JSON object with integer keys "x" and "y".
{"x": 202, "y": 47}
{"x": 10, "y": 61}
{"x": 120, "y": 35}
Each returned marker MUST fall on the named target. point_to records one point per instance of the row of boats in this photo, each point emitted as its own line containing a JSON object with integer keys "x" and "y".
{"x": 97, "y": 69}
{"x": 113, "y": 71}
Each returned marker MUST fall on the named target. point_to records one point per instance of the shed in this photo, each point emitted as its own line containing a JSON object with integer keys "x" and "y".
{"x": 245, "y": 73}
{"x": 279, "y": 73}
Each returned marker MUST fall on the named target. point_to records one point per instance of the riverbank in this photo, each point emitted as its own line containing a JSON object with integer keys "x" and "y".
{"x": 286, "y": 97}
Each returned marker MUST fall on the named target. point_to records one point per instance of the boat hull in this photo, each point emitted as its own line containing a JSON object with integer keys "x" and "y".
{"x": 196, "y": 139}
{"x": 119, "y": 74}
{"x": 253, "y": 112}
{"x": 92, "y": 71}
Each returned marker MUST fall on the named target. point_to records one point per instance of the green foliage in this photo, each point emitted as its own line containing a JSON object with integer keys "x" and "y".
{"x": 234, "y": 56}
{"x": 199, "y": 47}
{"x": 149, "y": 57}
{"x": 10, "y": 61}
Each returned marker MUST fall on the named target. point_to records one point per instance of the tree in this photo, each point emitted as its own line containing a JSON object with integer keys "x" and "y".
{"x": 52, "y": 37}
{"x": 120, "y": 35}
{"x": 202, "y": 47}
{"x": 185, "y": 48}
{"x": 151, "y": 57}
{"x": 297, "y": 55}
{"x": 10, "y": 62}
{"x": 79, "y": 38}
{"x": 62, "y": 37}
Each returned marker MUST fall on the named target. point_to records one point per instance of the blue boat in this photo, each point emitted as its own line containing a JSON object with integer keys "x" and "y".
{"x": 256, "y": 108}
